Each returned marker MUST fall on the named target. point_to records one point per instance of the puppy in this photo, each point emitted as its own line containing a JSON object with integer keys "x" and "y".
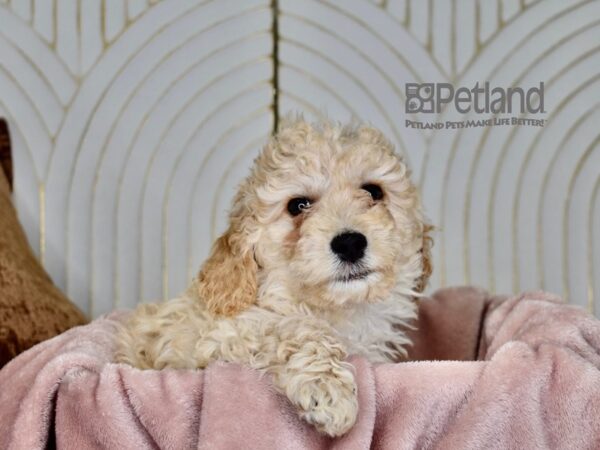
{"x": 326, "y": 249}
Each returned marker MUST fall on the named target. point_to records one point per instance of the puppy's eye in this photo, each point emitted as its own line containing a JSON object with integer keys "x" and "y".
{"x": 373, "y": 189}
{"x": 296, "y": 205}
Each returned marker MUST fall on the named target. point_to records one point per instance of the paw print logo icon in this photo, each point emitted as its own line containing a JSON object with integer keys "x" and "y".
{"x": 419, "y": 97}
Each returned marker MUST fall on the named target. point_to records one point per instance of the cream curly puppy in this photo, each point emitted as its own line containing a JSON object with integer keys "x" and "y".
{"x": 325, "y": 251}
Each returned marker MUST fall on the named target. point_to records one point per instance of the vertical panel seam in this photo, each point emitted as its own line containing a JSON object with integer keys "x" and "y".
{"x": 275, "y": 58}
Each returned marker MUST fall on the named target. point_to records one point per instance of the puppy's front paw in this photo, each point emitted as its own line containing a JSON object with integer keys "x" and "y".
{"x": 328, "y": 401}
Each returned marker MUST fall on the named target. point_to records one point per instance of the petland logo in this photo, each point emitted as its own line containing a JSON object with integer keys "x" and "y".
{"x": 480, "y": 99}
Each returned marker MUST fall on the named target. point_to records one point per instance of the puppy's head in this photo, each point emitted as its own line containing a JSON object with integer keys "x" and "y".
{"x": 332, "y": 211}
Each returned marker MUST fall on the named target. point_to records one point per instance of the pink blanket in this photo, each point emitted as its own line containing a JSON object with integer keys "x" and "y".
{"x": 519, "y": 373}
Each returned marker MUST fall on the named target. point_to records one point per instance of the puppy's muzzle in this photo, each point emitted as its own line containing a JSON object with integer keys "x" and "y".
{"x": 349, "y": 246}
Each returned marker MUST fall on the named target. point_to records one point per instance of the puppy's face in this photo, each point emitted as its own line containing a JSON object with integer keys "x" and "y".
{"x": 336, "y": 215}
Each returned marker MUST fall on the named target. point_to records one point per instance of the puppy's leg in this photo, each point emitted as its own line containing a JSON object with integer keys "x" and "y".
{"x": 301, "y": 352}
{"x": 315, "y": 377}
{"x": 304, "y": 357}
{"x": 163, "y": 335}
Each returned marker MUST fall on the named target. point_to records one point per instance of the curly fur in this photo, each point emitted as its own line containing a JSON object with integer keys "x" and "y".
{"x": 270, "y": 294}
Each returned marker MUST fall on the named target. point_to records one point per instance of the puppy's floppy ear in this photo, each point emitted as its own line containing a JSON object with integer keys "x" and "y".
{"x": 227, "y": 281}
{"x": 421, "y": 282}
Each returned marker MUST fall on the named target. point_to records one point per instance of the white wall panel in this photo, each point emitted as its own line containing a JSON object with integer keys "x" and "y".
{"x": 133, "y": 121}
{"x": 127, "y": 123}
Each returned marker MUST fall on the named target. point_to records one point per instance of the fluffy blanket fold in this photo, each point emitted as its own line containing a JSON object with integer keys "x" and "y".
{"x": 521, "y": 372}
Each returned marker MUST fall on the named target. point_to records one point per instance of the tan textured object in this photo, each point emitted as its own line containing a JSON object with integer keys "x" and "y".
{"x": 5, "y": 152}
{"x": 32, "y": 309}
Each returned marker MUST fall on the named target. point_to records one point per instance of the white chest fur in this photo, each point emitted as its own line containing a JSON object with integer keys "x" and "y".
{"x": 376, "y": 331}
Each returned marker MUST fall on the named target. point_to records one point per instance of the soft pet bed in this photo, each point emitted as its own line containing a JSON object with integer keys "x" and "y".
{"x": 525, "y": 373}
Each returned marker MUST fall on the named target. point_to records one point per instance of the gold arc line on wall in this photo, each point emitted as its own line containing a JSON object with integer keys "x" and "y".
{"x": 499, "y": 29}
{"x": 117, "y": 76}
{"x": 179, "y": 113}
{"x": 362, "y": 86}
{"x": 144, "y": 45}
{"x": 186, "y": 144}
{"x": 185, "y": 147}
{"x": 472, "y": 170}
{"x": 228, "y": 132}
{"x": 539, "y": 242}
{"x": 130, "y": 24}
{"x": 525, "y": 164}
{"x": 165, "y": 266}
{"x": 160, "y": 142}
{"x": 590, "y": 255}
{"x": 321, "y": 84}
{"x": 450, "y": 161}
{"x": 381, "y": 39}
{"x": 65, "y": 268}
{"x": 183, "y": 75}
{"x": 32, "y": 63}
{"x": 371, "y": 62}
{"x": 106, "y": 41}
{"x": 166, "y": 287}
{"x": 198, "y": 93}
{"x": 520, "y": 178}
{"x": 477, "y": 22}
{"x": 477, "y": 31}
{"x": 504, "y": 149}
{"x": 356, "y": 49}
{"x": 346, "y": 42}
{"x": 498, "y": 166}
{"x": 452, "y": 40}
{"x": 566, "y": 137}
{"x": 521, "y": 174}
{"x": 567, "y": 208}
{"x": 429, "y": 43}
{"x": 150, "y": 110}
{"x": 305, "y": 105}
{"x": 253, "y": 144}
{"x": 42, "y": 206}
{"x": 29, "y": 100}
{"x": 503, "y": 61}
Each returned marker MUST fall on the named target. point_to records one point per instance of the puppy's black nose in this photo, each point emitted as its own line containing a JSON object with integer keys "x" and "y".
{"x": 349, "y": 246}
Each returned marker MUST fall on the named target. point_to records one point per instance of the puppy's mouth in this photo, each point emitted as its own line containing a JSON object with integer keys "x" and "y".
{"x": 354, "y": 276}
